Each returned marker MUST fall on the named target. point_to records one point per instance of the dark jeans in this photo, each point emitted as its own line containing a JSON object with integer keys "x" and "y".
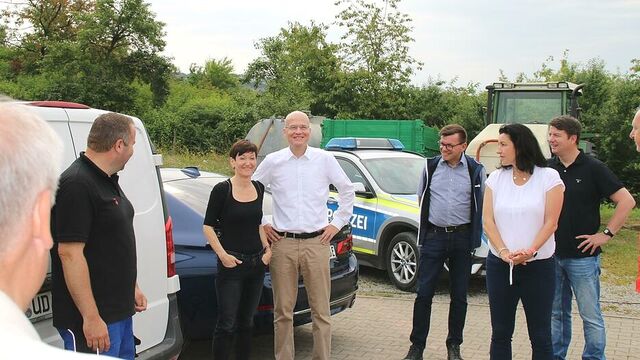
{"x": 238, "y": 291}
{"x": 534, "y": 284}
{"x": 434, "y": 250}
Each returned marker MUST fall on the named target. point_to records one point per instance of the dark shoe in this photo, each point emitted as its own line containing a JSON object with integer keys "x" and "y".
{"x": 453, "y": 352}
{"x": 243, "y": 344}
{"x": 222, "y": 346}
{"x": 415, "y": 353}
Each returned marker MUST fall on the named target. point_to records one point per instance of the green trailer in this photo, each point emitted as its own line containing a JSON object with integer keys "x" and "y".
{"x": 413, "y": 134}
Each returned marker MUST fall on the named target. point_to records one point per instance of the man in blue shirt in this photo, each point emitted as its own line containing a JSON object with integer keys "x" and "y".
{"x": 450, "y": 195}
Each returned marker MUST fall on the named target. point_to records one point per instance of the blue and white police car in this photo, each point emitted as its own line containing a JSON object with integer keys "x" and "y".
{"x": 386, "y": 212}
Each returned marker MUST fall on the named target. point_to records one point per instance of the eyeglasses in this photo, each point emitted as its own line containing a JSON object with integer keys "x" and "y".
{"x": 449, "y": 146}
{"x": 298, "y": 127}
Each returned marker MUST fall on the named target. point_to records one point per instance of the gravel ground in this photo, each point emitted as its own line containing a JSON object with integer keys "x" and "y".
{"x": 616, "y": 300}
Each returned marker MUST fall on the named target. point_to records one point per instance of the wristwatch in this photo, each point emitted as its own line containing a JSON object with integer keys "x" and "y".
{"x": 608, "y": 232}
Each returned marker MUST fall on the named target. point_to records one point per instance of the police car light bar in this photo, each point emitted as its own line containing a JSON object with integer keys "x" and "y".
{"x": 351, "y": 143}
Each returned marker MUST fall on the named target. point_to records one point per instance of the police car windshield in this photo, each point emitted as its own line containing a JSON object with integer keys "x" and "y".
{"x": 396, "y": 175}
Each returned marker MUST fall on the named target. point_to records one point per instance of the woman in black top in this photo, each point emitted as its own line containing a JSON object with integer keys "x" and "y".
{"x": 235, "y": 211}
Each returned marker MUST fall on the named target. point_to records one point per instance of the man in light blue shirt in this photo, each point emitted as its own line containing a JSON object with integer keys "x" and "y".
{"x": 450, "y": 195}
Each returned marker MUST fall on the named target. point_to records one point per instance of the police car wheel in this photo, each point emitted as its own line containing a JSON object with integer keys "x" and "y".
{"x": 402, "y": 261}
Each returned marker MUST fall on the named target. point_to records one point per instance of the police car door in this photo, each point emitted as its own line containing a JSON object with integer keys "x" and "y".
{"x": 364, "y": 209}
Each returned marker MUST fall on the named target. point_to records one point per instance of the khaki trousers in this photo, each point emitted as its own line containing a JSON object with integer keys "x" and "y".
{"x": 291, "y": 257}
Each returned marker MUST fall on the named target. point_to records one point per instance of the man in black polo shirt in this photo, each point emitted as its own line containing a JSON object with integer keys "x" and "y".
{"x": 95, "y": 293}
{"x": 578, "y": 239}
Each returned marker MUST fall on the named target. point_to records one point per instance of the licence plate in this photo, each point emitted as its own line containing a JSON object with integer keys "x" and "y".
{"x": 40, "y": 307}
{"x": 332, "y": 254}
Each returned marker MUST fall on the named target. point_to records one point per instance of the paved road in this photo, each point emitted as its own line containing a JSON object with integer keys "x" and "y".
{"x": 378, "y": 328}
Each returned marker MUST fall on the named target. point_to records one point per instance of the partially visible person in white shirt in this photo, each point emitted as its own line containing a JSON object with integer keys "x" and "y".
{"x": 635, "y": 136}
{"x": 30, "y": 159}
{"x": 522, "y": 204}
{"x": 299, "y": 177}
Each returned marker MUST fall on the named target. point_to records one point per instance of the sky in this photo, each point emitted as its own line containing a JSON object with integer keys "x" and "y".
{"x": 467, "y": 40}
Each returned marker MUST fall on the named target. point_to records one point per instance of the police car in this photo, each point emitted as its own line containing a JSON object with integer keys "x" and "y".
{"x": 386, "y": 212}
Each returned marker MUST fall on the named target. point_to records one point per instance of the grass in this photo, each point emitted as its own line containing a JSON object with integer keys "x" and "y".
{"x": 620, "y": 255}
{"x": 619, "y": 260}
{"x": 204, "y": 161}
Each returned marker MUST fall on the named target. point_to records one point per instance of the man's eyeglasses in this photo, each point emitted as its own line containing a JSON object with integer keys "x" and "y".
{"x": 298, "y": 127}
{"x": 449, "y": 146}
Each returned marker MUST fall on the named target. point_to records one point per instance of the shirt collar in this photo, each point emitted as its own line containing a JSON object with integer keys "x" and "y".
{"x": 463, "y": 161}
{"x": 308, "y": 155}
{"x": 14, "y": 316}
{"x": 579, "y": 159}
{"x": 95, "y": 167}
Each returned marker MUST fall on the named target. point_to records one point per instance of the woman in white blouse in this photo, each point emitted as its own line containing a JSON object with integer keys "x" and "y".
{"x": 522, "y": 203}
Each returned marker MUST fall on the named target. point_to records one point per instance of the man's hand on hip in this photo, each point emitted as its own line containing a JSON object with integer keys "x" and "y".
{"x": 592, "y": 242}
{"x": 329, "y": 232}
{"x": 271, "y": 233}
{"x": 96, "y": 332}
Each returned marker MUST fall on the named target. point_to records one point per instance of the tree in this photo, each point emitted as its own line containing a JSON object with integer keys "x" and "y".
{"x": 375, "y": 54}
{"x": 439, "y": 103}
{"x": 47, "y": 22}
{"x": 635, "y": 67}
{"x": 613, "y": 126}
{"x": 215, "y": 73}
{"x": 90, "y": 51}
{"x": 298, "y": 69}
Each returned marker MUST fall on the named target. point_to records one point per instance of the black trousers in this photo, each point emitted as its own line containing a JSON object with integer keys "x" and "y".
{"x": 238, "y": 292}
{"x": 534, "y": 284}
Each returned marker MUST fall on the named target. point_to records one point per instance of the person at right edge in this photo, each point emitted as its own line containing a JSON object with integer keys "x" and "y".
{"x": 450, "y": 194}
{"x": 635, "y": 136}
{"x": 578, "y": 238}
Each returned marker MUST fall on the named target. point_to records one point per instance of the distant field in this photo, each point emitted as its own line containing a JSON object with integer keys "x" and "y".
{"x": 619, "y": 260}
{"x": 204, "y": 161}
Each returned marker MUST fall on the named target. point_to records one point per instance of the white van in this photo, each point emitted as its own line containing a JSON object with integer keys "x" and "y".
{"x": 158, "y": 327}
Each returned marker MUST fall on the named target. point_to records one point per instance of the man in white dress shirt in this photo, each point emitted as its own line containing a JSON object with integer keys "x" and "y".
{"x": 299, "y": 177}
{"x": 30, "y": 159}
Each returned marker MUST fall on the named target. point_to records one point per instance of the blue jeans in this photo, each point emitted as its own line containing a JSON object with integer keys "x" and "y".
{"x": 120, "y": 337}
{"x": 579, "y": 276}
{"x": 534, "y": 285}
{"x": 434, "y": 250}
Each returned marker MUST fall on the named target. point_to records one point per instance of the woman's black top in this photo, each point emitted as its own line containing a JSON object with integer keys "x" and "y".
{"x": 239, "y": 221}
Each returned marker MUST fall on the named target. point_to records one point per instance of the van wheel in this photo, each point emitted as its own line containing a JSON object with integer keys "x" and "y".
{"x": 402, "y": 261}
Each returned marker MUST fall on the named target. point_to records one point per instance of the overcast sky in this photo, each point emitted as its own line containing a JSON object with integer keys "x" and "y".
{"x": 468, "y": 39}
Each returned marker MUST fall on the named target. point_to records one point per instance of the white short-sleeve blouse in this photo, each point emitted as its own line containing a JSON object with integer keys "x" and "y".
{"x": 518, "y": 210}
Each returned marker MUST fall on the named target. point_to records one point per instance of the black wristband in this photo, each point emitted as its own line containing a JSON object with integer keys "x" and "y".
{"x": 608, "y": 232}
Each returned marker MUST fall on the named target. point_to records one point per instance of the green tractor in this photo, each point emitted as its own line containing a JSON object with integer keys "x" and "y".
{"x": 531, "y": 104}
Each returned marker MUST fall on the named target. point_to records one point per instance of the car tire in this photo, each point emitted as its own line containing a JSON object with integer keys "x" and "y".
{"x": 402, "y": 261}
